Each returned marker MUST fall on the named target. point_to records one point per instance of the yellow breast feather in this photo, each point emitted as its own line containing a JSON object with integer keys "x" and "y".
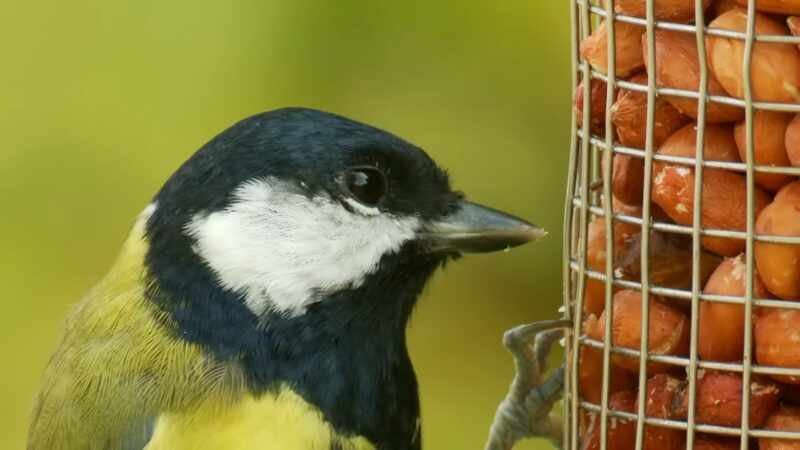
{"x": 280, "y": 421}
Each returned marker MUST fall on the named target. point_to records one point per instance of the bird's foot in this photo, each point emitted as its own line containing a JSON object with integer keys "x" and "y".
{"x": 526, "y": 410}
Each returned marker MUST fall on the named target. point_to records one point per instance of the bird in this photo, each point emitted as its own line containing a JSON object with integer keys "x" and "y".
{"x": 261, "y": 298}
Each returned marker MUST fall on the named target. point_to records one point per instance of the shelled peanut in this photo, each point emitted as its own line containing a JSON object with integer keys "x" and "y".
{"x": 715, "y": 342}
{"x": 784, "y": 418}
{"x": 595, "y": 297}
{"x": 669, "y": 257}
{"x": 722, "y": 134}
{"x": 621, "y": 432}
{"x": 597, "y": 95}
{"x": 590, "y": 374}
{"x": 678, "y": 67}
{"x": 722, "y": 6}
{"x": 769, "y": 142}
{"x": 718, "y": 401}
{"x": 628, "y": 58}
{"x": 777, "y": 338}
{"x": 711, "y": 442}
{"x": 670, "y": 10}
{"x": 668, "y": 333}
{"x": 779, "y": 263}
{"x": 723, "y": 192}
{"x": 629, "y": 115}
{"x": 775, "y": 6}
{"x": 659, "y": 397}
{"x": 794, "y": 25}
{"x": 792, "y": 140}
{"x": 775, "y": 68}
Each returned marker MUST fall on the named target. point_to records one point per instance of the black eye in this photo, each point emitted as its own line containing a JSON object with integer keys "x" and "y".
{"x": 367, "y": 184}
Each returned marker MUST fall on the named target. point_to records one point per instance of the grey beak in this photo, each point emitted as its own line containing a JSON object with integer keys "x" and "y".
{"x": 478, "y": 229}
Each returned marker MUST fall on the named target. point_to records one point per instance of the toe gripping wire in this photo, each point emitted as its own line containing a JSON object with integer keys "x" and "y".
{"x": 527, "y": 409}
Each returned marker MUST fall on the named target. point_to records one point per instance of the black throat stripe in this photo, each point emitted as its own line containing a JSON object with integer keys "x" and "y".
{"x": 346, "y": 354}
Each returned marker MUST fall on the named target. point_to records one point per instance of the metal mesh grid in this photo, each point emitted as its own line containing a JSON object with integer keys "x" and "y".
{"x": 589, "y": 182}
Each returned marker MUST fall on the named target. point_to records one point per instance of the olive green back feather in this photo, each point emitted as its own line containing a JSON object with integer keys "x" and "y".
{"x": 118, "y": 366}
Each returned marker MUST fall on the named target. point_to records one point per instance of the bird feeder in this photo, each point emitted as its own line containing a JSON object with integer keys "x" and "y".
{"x": 682, "y": 226}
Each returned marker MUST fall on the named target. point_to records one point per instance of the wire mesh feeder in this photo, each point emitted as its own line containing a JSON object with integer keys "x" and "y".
{"x": 654, "y": 273}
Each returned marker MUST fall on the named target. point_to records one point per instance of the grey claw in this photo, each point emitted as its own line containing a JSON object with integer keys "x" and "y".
{"x": 526, "y": 410}
{"x": 523, "y": 334}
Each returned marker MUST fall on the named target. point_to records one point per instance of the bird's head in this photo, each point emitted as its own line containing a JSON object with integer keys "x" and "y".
{"x": 288, "y": 208}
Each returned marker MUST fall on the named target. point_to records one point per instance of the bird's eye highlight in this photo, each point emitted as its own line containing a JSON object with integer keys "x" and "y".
{"x": 367, "y": 184}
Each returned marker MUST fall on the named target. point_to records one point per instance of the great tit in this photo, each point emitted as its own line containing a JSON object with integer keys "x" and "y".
{"x": 261, "y": 298}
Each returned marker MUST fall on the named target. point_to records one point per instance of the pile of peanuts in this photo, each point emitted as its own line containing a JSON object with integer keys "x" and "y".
{"x": 774, "y": 78}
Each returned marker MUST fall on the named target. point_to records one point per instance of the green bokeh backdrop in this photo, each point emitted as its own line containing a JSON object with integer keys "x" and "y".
{"x": 100, "y": 101}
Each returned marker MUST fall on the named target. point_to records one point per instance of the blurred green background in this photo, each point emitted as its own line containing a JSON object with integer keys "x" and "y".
{"x": 100, "y": 101}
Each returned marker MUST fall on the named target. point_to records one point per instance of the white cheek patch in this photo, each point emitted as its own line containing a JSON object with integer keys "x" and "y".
{"x": 283, "y": 251}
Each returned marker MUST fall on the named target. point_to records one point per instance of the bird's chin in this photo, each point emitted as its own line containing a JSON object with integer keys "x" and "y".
{"x": 422, "y": 251}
